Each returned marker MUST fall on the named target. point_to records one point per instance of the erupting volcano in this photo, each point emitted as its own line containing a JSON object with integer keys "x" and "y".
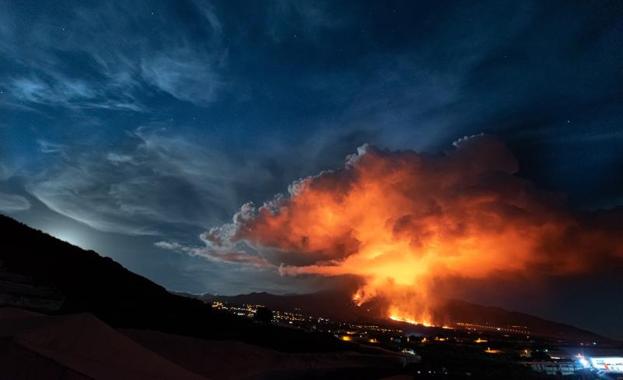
{"x": 404, "y": 222}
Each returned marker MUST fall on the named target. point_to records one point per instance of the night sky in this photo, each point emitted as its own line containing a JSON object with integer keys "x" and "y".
{"x": 126, "y": 126}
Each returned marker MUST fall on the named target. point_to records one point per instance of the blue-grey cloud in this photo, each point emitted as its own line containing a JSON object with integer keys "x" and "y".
{"x": 183, "y": 75}
{"x": 65, "y": 92}
{"x": 112, "y": 72}
{"x": 229, "y": 256}
{"x": 157, "y": 180}
{"x": 12, "y": 202}
{"x": 51, "y": 147}
{"x": 36, "y": 90}
{"x": 5, "y": 172}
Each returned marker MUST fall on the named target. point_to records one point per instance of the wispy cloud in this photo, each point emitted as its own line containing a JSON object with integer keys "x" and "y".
{"x": 158, "y": 180}
{"x": 51, "y": 147}
{"x": 13, "y": 202}
{"x": 65, "y": 92}
{"x": 110, "y": 55}
{"x": 5, "y": 172}
{"x": 228, "y": 256}
{"x": 183, "y": 75}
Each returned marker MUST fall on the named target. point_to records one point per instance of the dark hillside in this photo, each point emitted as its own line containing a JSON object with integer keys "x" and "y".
{"x": 91, "y": 283}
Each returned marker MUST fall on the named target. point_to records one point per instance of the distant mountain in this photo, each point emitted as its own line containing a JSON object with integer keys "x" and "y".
{"x": 339, "y": 305}
{"x": 42, "y": 273}
{"x": 333, "y": 304}
{"x": 461, "y": 311}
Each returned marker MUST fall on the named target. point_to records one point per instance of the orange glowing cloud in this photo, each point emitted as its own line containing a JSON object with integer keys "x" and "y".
{"x": 400, "y": 221}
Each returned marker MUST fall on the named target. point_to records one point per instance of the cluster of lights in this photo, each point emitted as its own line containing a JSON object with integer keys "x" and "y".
{"x": 344, "y": 331}
{"x": 241, "y": 311}
{"x": 291, "y": 318}
{"x": 349, "y": 332}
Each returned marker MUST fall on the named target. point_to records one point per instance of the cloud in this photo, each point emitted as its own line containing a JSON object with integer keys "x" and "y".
{"x": 403, "y": 221}
{"x": 111, "y": 55}
{"x": 37, "y": 91}
{"x": 184, "y": 75}
{"x": 221, "y": 256}
{"x": 158, "y": 180}
{"x": 118, "y": 159}
{"x": 66, "y": 92}
{"x": 51, "y": 147}
{"x": 5, "y": 172}
{"x": 12, "y": 203}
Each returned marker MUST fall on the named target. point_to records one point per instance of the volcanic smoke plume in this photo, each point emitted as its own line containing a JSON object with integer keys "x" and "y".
{"x": 404, "y": 221}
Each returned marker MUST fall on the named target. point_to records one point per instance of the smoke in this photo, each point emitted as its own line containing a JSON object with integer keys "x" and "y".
{"x": 403, "y": 221}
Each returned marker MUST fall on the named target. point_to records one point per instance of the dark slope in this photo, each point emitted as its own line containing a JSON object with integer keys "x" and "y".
{"x": 37, "y": 346}
{"x": 91, "y": 283}
{"x": 80, "y": 346}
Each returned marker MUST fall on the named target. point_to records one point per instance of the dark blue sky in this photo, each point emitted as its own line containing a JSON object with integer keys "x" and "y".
{"x": 123, "y": 124}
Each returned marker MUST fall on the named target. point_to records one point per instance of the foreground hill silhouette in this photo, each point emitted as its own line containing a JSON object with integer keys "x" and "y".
{"x": 83, "y": 281}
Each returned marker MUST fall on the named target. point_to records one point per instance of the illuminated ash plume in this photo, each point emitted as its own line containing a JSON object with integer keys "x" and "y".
{"x": 402, "y": 221}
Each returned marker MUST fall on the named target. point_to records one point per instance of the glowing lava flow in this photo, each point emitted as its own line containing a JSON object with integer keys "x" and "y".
{"x": 410, "y": 321}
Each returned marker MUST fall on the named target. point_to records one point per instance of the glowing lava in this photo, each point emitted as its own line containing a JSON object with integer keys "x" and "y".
{"x": 394, "y": 317}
